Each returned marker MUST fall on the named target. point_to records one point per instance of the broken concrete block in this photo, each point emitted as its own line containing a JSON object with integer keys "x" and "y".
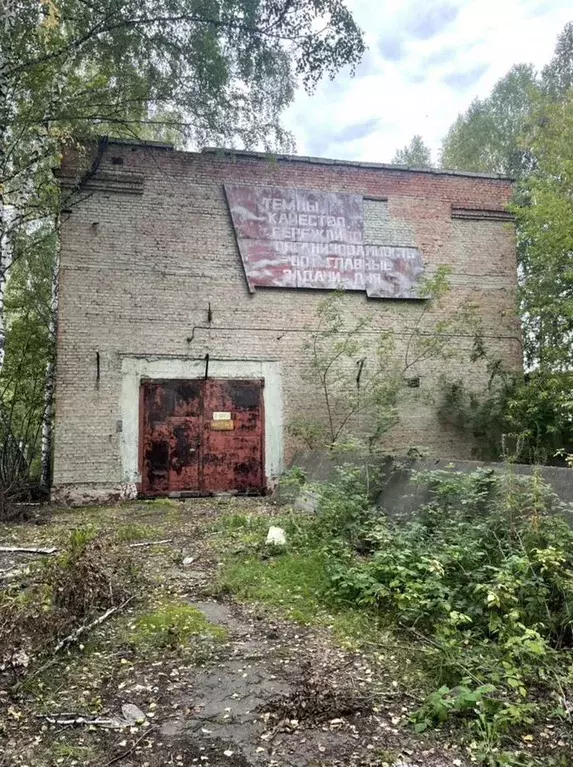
{"x": 276, "y": 537}
{"x": 132, "y": 714}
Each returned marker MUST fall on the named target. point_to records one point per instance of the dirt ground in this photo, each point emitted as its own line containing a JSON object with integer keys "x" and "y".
{"x": 264, "y": 691}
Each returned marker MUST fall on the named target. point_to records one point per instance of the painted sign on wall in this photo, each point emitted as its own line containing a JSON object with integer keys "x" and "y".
{"x": 296, "y": 238}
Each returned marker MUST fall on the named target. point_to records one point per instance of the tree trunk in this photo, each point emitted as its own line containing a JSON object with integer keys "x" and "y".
{"x": 47, "y": 426}
{"x": 50, "y": 387}
{"x": 7, "y": 19}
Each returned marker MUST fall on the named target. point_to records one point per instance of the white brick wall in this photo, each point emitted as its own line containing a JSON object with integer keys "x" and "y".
{"x": 138, "y": 272}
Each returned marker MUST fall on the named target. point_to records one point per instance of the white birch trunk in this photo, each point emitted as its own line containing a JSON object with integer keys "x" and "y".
{"x": 7, "y": 19}
{"x": 48, "y": 419}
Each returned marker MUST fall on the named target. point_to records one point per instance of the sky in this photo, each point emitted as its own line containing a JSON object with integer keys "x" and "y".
{"x": 426, "y": 61}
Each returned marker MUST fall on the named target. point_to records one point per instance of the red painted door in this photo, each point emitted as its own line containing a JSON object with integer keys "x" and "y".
{"x": 202, "y": 436}
{"x": 232, "y": 445}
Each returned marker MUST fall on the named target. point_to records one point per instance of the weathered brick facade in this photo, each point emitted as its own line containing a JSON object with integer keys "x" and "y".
{"x": 148, "y": 245}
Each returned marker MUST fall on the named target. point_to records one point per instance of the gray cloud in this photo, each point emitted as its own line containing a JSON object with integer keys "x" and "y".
{"x": 416, "y": 79}
{"x": 391, "y": 48}
{"x": 356, "y": 131}
{"x": 368, "y": 66}
{"x": 427, "y": 24}
{"x": 320, "y": 141}
{"x": 439, "y": 57}
{"x": 462, "y": 80}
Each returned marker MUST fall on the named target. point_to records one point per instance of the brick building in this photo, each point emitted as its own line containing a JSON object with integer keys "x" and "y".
{"x": 189, "y": 282}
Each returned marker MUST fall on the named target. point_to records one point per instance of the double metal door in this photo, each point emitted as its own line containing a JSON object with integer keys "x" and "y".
{"x": 201, "y": 436}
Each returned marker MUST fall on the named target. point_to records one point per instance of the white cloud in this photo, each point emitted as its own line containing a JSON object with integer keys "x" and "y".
{"x": 427, "y": 60}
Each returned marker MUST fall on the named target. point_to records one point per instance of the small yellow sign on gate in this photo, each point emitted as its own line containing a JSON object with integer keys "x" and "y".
{"x": 222, "y": 425}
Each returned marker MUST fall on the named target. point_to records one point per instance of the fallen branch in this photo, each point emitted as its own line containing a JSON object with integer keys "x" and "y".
{"x": 69, "y": 720}
{"x": 130, "y": 750}
{"x": 29, "y": 549}
{"x": 149, "y": 543}
{"x": 14, "y": 572}
{"x": 75, "y": 635}
{"x": 270, "y": 736}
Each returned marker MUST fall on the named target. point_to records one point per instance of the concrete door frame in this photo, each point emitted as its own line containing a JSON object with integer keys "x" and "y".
{"x": 135, "y": 368}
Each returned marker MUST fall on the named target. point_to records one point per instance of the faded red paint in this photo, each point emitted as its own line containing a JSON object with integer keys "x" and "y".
{"x": 297, "y": 238}
{"x": 182, "y": 450}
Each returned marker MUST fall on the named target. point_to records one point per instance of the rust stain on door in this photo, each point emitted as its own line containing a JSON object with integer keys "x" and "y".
{"x": 181, "y": 452}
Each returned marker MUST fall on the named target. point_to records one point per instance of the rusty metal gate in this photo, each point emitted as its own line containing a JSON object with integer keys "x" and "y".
{"x": 201, "y": 436}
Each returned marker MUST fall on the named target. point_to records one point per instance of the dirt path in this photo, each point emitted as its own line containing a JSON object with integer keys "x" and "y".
{"x": 284, "y": 696}
{"x": 273, "y": 693}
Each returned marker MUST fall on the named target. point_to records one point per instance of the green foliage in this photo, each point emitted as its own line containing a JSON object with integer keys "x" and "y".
{"x": 540, "y": 417}
{"x": 557, "y": 76}
{"x": 480, "y": 576}
{"x": 546, "y": 240}
{"x": 441, "y": 704}
{"x": 524, "y": 419}
{"x": 415, "y": 154}
{"x": 132, "y": 531}
{"x": 487, "y": 137}
{"x": 174, "y": 626}
{"x": 347, "y": 507}
{"x": 29, "y": 345}
{"x": 357, "y": 373}
{"x": 481, "y": 415}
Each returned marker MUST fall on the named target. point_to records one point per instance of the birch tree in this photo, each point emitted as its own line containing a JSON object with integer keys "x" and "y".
{"x": 415, "y": 154}
{"x": 188, "y": 71}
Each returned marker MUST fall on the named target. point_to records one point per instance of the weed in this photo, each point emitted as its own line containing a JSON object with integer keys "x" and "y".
{"x": 478, "y": 582}
{"x": 292, "y": 581}
{"x": 62, "y": 593}
{"x": 63, "y": 752}
{"x": 173, "y": 626}
{"x": 296, "y": 583}
{"x": 162, "y": 503}
{"x": 132, "y": 531}
{"x": 481, "y": 578}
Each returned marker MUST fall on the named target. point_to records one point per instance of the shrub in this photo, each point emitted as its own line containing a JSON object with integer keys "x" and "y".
{"x": 346, "y": 506}
{"x": 89, "y": 577}
{"x": 59, "y": 595}
{"x": 481, "y": 576}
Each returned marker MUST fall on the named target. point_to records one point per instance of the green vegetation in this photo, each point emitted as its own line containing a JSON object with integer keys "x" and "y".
{"x": 292, "y": 581}
{"x": 520, "y": 419}
{"x": 414, "y": 155}
{"x": 524, "y": 128}
{"x": 478, "y": 582}
{"x": 133, "y": 531}
{"x": 74, "y": 72}
{"x": 172, "y": 626}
